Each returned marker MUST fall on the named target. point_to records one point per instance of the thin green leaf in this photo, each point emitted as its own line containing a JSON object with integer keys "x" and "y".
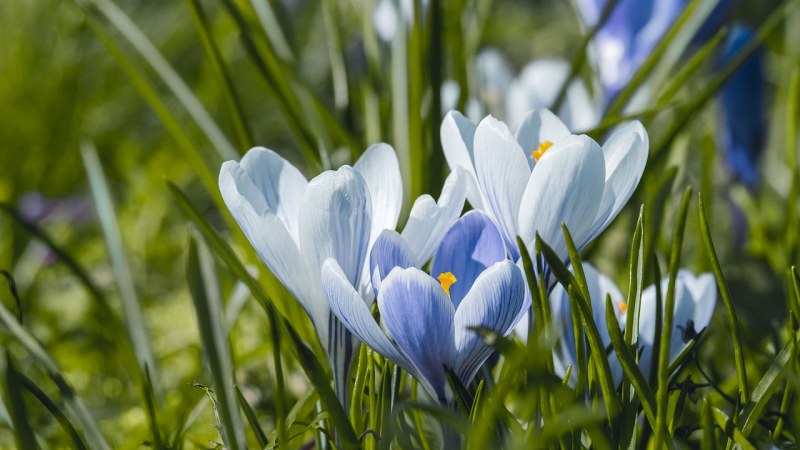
{"x": 204, "y": 287}
{"x": 132, "y": 310}
{"x": 709, "y": 441}
{"x": 730, "y": 429}
{"x": 54, "y": 409}
{"x": 77, "y": 412}
{"x": 252, "y": 420}
{"x": 733, "y": 322}
{"x": 23, "y": 433}
{"x": 767, "y": 386}
{"x": 661, "y": 430}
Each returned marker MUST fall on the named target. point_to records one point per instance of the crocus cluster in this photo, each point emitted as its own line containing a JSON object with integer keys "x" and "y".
{"x": 333, "y": 243}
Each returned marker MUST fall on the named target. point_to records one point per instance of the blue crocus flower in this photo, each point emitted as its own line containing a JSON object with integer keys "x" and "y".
{"x": 742, "y": 97}
{"x": 628, "y": 37}
{"x": 429, "y": 321}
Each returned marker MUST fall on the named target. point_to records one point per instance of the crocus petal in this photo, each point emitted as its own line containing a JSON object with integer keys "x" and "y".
{"x": 502, "y": 169}
{"x": 267, "y": 234}
{"x": 566, "y": 186}
{"x": 419, "y": 316}
{"x": 625, "y": 155}
{"x": 350, "y": 309}
{"x": 429, "y": 220}
{"x": 381, "y": 171}
{"x": 494, "y": 302}
{"x": 335, "y": 221}
{"x": 470, "y": 246}
{"x": 389, "y": 251}
{"x": 457, "y": 135}
{"x": 703, "y": 289}
{"x": 280, "y": 184}
{"x": 540, "y": 126}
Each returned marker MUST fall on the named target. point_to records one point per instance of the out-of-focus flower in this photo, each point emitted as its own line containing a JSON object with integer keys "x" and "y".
{"x": 295, "y": 225}
{"x": 599, "y": 287}
{"x": 429, "y": 322}
{"x": 544, "y": 175}
{"x": 36, "y": 207}
{"x": 742, "y": 104}
{"x": 695, "y": 299}
{"x": 536, "y": 86}
{"x": 628, "y": 37}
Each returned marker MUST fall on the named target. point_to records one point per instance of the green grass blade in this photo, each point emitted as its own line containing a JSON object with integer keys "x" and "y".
{"x": 730, "y": 429}
{"x": 224, "y": 81}
{"x": 55, "y": 410}
{"x": 76, "y": 410}
{"x": 725, "y": 293}
{"x": 630, "y": 367}
{"x": 272, "y": 28}
{"x": 150, "y": 405}
{"x": 330, "y": 15}
{"x": 23, "y": 433}
{"x": 768, "y": 385}
{"x": 280, "y": 387}
{"x": 709, "y": 441}
{"x": 134, "y": 317}
{"x": 661, "y": 430}
{"x": 691, "y": 67}
{"x": 207, "y": 300}
{"x": 132, "y": 34}
{"x": 252, "y": 420}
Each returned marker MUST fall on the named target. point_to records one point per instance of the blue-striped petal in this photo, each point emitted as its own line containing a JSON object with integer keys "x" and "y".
{"x": 494, "y": 302}
{"x": 470, "y": 246}
{"x": 429, "y": 219}
{"x": 458, "y": 135}
{"x": 419, "y": 317}
{"x": 390, "y": 251}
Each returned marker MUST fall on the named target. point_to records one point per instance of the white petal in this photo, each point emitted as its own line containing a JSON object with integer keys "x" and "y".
{"x": 381, "y": 171}
{"x": 503, "y": 171}
{"x": 335, "y": 221}
{"x": 703, "y": 289}
{"x": 280, "y": 184}
{"x": 457, "y": 135}
{"x": 429, "y": 220}
{"x": 266, "y": 233}
{"x": 540, "y": 126}
{"x": 351, "y": 310}
{"x": 494, "y": 302}
{"x": 566, "y": 186}
{"x": 625, "y": 155}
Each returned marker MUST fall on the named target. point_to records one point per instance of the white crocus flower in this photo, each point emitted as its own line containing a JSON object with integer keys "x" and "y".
{"x": 544, "y": 175}
{"x": 295, "y": 225}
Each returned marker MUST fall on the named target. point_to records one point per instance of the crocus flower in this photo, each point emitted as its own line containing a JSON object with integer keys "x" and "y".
{"x": 695, "y": 299}
{"x": 536, "y": 86}
{"x": 599, "y": 287}
{"x": 295, "y": 225}
{"x": 628, "y": 37}
{"x": 742, "y": 104}
{"x": 543, "y": 175}
{"x": 428, "y": 321}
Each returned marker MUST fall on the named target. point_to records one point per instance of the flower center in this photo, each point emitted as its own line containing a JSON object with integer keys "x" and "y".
{"x": 622, "y": 306}
{"x": 543, "y": 147}
{"x": 447, "y": 279}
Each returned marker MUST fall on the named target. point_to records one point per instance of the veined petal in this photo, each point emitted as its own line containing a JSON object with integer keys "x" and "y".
{"x": 350, "y": 309}
{"x": 494, "y": 302}
{"x": 540, "y": 126}
{"x": 501, "y": 166}
{"x": 335, "y": 221}
{"x": 280, "y": 184}
{"x": 267, "y": 234}
{"x": 566, "y": 186}
{"x": 381, "y": 172}
{"x": 389, "y": 251}
{"x": 470, "y": 246}
{"x": 625, "y": 155}
{"x": 429, "y": 220}
{"x": 458, "y": 135}
{"x": 419, "y": 316}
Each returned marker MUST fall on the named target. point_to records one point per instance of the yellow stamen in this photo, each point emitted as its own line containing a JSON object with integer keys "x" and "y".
{"x": 447, "y": 279}
{"x": 622, "y": 306}
{"x": 543, "y": 147}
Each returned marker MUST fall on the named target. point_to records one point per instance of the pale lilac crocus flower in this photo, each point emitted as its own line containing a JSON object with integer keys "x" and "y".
{"x": 543, "y": 175}
{"x": 295, "y": 225}
{"x": 428, "y": 321}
